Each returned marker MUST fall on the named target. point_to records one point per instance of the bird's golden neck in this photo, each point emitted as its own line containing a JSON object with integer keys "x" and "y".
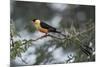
{"x": 37, "y": 24}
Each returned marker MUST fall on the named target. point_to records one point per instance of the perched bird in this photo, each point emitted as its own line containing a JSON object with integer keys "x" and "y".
{"x": 43, "y": 27}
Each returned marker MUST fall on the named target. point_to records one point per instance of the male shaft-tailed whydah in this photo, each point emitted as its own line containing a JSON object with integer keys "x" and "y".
{"x": 44, "y": 27}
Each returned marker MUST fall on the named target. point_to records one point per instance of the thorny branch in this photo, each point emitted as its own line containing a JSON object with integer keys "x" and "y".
{"x": 67, "y": 36}
{"x": 52, "y": 36}
{"x": 48, "y": 35}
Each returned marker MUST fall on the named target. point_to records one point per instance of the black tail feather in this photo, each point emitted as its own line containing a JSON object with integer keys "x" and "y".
{"x": 60, "y": 33}
{"x": 85, "y": 50}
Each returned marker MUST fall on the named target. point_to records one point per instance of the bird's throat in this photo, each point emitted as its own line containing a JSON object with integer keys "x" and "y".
{"x": 37, "y": 25}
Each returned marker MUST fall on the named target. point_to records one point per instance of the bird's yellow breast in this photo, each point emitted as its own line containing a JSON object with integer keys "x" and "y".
{"x": 37, "y": 24}
{"x": 38, "y": 27}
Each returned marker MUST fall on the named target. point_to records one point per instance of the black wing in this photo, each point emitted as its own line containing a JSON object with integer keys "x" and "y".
{"x": 46, "y": 26}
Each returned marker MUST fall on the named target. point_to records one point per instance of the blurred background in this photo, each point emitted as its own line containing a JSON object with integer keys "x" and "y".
{"x": 77, "y": 22}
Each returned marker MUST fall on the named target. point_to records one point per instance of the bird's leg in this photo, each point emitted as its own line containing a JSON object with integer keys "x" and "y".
{"x": 45, "y": 34}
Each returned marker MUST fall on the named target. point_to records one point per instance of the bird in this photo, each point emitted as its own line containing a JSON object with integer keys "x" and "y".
{"x": 44, "y": 27}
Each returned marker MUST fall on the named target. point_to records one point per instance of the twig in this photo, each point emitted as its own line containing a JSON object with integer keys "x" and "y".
{"x": 23, "y": 60}
{"x": 81, "y": 32}
{"x": 55, "y": 37}
{"x": 46, "y": 36}
{"x": 86, "y": 31}
{"x": 70, "y": 58}
{"x": 38, "y": 38}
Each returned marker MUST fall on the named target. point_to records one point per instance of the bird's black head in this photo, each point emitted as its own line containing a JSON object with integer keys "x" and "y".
{"x": 34, "y": 20}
